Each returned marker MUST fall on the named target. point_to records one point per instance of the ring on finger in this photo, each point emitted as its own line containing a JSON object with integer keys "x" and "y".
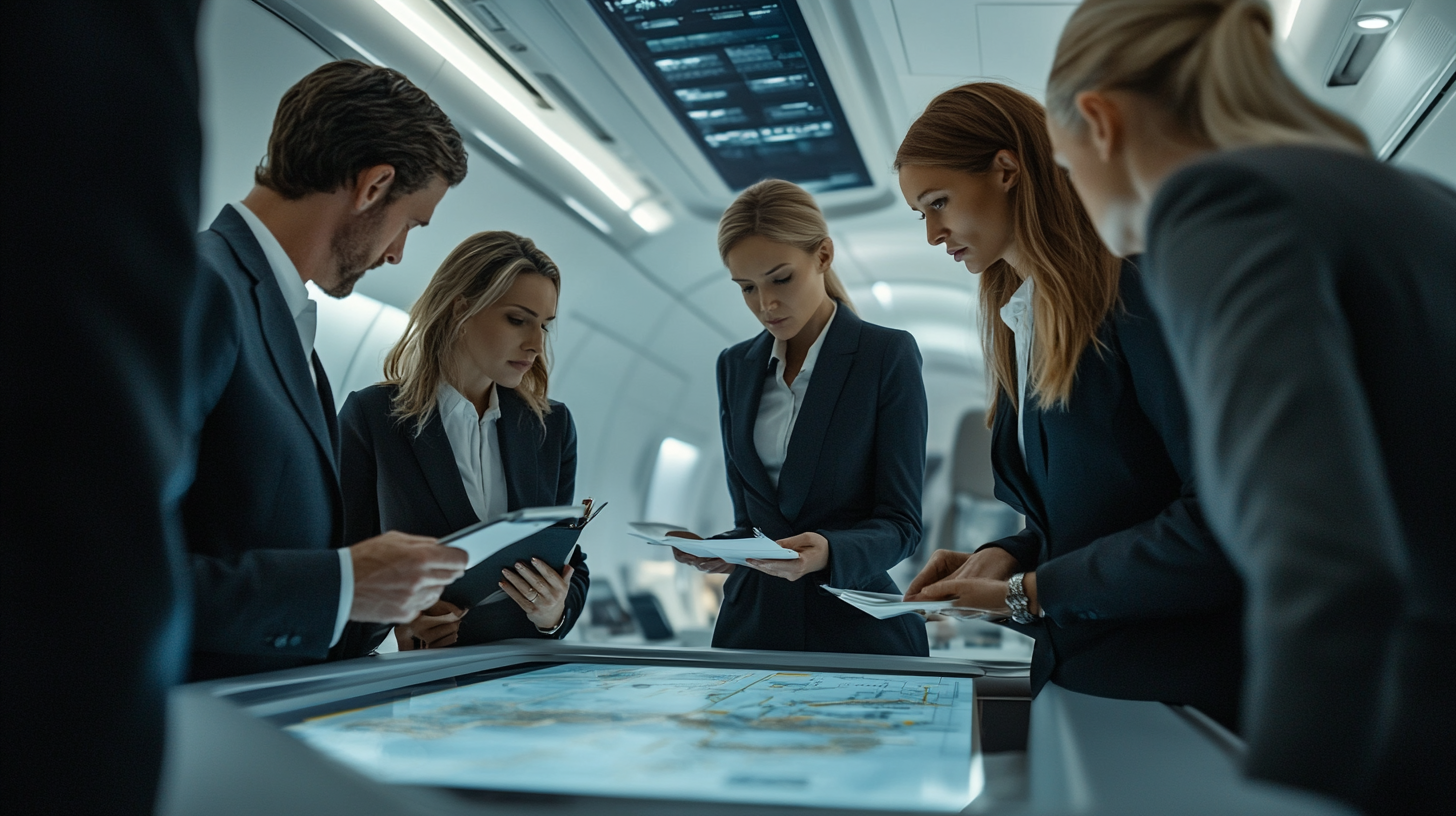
{"x": 534, "y": 596}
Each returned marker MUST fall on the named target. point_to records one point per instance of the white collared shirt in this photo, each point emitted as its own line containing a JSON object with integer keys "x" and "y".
{"x": 305, "y": 320}
{"x": 778, "y": 410}
{"x": 300, "y": 305}
{"x": 1017, "y": 314}
{"x": 476, "y": 445}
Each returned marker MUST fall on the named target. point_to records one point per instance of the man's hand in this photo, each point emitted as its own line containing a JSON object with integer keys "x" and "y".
{"x": 992, "y": 562}
{"x": 813, "y": 550}
{"x": 436, "y": 627}
{"x": 397, "y": 576}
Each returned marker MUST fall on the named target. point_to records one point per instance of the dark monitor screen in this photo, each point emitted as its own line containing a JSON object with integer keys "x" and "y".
{"x": 722, "y": 734}
{"x": 745, "y": 81}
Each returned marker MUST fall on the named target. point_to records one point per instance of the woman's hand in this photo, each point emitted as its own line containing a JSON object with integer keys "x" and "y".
{"x": 539, "y": 590}
{"x": 712, "y": 565}
{"x": 813, "y": 550}
{"x": 433, "y": 628}
{"x": 975, "y": 592}
{"x": 991, "y": 562}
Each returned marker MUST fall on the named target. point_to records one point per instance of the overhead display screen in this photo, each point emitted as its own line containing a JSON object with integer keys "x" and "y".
{"x": 848, "y": 741}
{"x": 747, "y": 84}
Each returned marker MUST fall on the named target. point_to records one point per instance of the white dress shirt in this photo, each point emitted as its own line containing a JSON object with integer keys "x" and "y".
{"x": 476, "y": 445}
{"x": 305, "y": 320}
{"x": 778, "y": 410}
{"x": 1017, "y": 314}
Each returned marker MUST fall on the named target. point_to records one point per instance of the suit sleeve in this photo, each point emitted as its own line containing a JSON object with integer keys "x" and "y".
{"x": 860, "y": 554}
{"x": 742, "y": 526}
{"x": 1166, "y": 566}
{"x": 359, "y": 479}
{"x": 1288, "y": 462}
{"x": 266, "y": 602}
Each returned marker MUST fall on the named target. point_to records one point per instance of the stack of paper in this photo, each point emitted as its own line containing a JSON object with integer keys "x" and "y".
{"x": 884, "y": 605}
{"x": 732, "y": 550}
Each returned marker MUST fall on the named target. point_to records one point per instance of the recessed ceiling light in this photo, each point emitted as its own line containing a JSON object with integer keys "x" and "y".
{"x": 1373, "y": 22}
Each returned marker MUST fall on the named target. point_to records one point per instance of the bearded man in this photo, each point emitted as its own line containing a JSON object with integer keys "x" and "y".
{"x": 357, "y": 158}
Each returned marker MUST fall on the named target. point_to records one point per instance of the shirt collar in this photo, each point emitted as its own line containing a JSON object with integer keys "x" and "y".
{"x": 294, "y": 292}
{"x": 1017, "y": 312}
{"x": 452, "y": 401}
{"x": 781, "y": 348}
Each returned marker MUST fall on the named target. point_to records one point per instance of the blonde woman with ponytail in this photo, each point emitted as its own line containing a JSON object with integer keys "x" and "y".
{"x": 824, "y": 420}
{"x": 1115, "y": 575}
{"x": 1307, "y": 292}
{"x": 462, "y": 430}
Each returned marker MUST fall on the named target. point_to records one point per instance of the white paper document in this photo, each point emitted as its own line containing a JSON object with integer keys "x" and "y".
{"x": 884, "y": 605}
{"x": 732, "y": 550}
{"x": 480, "y": 541}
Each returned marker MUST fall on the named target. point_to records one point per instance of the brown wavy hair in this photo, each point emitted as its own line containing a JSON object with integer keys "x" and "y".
{"x": 1075, "y": 275}
{"x": 477, "y": 273}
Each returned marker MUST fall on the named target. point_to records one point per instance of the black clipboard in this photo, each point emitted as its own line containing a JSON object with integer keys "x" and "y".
{"x": 554, "y": 545}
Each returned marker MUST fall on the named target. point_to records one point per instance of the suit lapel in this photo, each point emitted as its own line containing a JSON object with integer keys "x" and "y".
{"x": 280, "y": 333}
{"x": 518, "y": 433}
{"x": 826, "y": 381}
{"x": 326, "y": 399}
{"x": 437, "y": 460}
{"x": 746, "y": 393}
{"x": 1008, "y": 460}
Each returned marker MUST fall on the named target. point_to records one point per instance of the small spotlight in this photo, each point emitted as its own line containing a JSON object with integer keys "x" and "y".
{"x": 1373, "y": 22}
{"x": 884, "y": 294}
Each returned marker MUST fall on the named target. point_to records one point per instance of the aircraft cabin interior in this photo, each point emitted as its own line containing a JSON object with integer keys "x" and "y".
{"x": 614, "y": 134}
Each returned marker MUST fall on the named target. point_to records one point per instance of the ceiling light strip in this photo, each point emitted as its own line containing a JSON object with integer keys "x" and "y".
{"x": 476, "y": 73}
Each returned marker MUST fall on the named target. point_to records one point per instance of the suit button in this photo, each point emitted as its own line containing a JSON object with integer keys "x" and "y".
{"x": 280, "y": 642}
{"x": 295, "y": 640}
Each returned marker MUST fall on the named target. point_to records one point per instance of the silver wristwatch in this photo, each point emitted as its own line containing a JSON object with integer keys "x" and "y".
{"x": 1017, "y": 601}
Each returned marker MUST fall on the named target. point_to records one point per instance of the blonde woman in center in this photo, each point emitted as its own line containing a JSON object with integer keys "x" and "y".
{"x": 461, "y": 430}
{"x": 824, "y": 422}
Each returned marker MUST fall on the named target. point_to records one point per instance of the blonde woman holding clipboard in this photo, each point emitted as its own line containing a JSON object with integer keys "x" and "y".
{"x": 461, "y": 431}
{"x": 824, "y": 421}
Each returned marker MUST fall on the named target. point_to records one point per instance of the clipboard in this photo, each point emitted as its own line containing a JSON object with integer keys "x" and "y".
{"x": 547, "y": 533}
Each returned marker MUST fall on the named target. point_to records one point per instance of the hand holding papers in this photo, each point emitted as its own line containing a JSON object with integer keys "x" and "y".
{"x": 547, "y": 533}
{"x": 884, "y": 605}
{"x": 733, "y": 550}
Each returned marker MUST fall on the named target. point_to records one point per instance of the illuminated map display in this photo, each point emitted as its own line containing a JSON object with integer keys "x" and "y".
{"x": 719, "y": 734}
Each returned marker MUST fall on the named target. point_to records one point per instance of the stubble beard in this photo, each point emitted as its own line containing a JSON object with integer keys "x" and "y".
{"x": 353, "y": 253}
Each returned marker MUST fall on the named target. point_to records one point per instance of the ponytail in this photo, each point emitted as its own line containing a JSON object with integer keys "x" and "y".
{"x": 1210, "y": 63}
{"x": 782, "y": 212}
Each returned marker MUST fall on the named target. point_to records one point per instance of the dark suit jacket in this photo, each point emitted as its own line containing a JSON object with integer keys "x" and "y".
{"x": 854, "y": 474}
{"x": 100, "y": 319}
{"x": 396, "y": 480}
{"x": 1309, "y": 298}
{"x": 264, "y": 514}
{"x": 1140, "y": 602}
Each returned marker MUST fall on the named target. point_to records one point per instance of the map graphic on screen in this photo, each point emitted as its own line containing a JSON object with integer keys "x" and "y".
{"x": 719, "y": 734}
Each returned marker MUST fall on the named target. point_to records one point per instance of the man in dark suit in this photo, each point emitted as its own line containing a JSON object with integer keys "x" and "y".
{"x": 358, "y": 157}
{"x": 102, "y": 155}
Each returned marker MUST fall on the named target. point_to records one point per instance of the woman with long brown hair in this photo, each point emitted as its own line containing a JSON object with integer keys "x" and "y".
{"x": 461, "y": 430}
{"x": 1115, "y": 575}
{"x": 1308, "y": 294}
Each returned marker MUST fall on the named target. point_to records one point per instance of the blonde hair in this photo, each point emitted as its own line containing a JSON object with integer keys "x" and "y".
{"x": 1210, "y": 63}
{"x": 1076, "y": 276}
{"x": 782, "y": 212}
{"x": 477, "y": 273}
